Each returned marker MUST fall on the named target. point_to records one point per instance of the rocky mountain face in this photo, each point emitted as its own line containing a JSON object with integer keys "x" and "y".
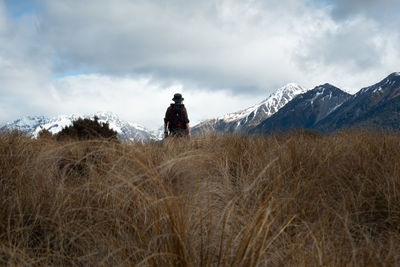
{"x": 245, "y": 120}
{"x": 126, "y": 131}
{"x": 325, "y": 108}
{"x": 376, "y": 106}
{"x": 304, "y": 111}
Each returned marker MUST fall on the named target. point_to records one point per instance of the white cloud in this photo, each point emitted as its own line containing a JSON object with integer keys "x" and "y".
{"x": 132, "y": 55}
{"x": 24, "y": 67}
{"x": 241, "y": 46}
{"x": 215, "y": 44}
{"x": 137, "y": 100}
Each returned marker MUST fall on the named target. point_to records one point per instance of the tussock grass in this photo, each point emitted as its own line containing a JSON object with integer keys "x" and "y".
{"x": 294, "y": 199}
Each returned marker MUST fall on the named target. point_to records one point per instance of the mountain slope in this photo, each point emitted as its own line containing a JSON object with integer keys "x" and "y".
{"x": 305, "y": 110}
{"x": 374, "y": 106}
{"x": 125, "y": 130}
{"x": 244, "y": 120}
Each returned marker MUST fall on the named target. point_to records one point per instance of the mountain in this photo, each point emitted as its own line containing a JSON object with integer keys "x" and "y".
{"x": 246, "y": 119}
{"x": 126, "y": 131}
{"x": 25, "y": 124}
{"x": 376, "y": 106}
{"x": 304, "y": 111}
{"x": 325, "y": 108}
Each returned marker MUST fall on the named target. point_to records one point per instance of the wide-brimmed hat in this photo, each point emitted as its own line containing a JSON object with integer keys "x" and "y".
{"x": 177, "y": 98}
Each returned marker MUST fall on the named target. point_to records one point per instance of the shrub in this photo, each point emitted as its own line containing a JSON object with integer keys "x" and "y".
{"x": 44, "y": 133}
{"x": 84, "y": 129}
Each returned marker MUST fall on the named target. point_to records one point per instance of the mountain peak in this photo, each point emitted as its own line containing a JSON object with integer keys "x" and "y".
{"x": 290, "y": 87}
{"x": 125, "y": 130}
{"x": 327, "y": 86}
{"x": 390, "y": 82}
{"x": 105, "y": 114}
{"x": 305, "y": 110}
{"x": 270, "y": 105}
{"x": 247, "y": 118}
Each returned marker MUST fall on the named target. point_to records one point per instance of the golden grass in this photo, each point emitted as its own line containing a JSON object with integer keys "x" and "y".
{"x": 300, "y": 199}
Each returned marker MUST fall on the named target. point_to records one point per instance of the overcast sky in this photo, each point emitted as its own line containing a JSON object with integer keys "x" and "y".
{"x": 131, "y": 56}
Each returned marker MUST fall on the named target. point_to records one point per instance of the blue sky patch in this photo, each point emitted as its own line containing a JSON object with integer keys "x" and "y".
{"x": 18, "y": 8}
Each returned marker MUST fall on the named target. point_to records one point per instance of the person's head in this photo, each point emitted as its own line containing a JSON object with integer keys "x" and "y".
{"x": 177, "y": 98}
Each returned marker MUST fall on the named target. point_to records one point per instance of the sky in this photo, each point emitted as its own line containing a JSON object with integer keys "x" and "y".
{"x": 130, "y": 56}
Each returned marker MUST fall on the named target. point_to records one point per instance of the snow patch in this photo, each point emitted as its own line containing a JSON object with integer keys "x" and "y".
{"x": 316, "y": 96}
{"x": 271, "y": 105}
{"x": 125, "y": 130}
{"x": 334, "y": 108}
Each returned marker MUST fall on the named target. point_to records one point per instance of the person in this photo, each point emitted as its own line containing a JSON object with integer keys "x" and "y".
{"x": 176, "y": 121}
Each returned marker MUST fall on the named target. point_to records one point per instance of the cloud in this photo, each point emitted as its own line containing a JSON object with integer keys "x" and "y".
{"x": 382, "y": 10}
{"x": 28, "y": 85}
{"x": 232, "y": 45}
{"x": 241, "y": 46}
{"x": 350, "y": 45}
{"x": 138, "y": 100}
{"x": 24, "y": 66}
{"x": 74, "y": 56}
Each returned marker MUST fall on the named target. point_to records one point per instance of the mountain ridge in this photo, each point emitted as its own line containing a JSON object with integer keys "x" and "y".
{"x": 367, "y": 101}
{"x": 324, "y": 108}
{"x": 126, "y": 131}
{"x": 245, "y": 119}
{"x": 304, "y": 111}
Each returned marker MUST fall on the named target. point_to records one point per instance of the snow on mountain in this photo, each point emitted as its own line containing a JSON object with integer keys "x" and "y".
{"x": 250, "y": 117}
{"x": 304, "y": 111}
{"x": 374, "y": 106}
{"x": 272, "y": 104}
{"x": 53, "y": 125}
{"x": 391, "y": 81}
{"x": 25, "y": 124}
{"x": 159, "y": 133}
{"x": 125, "y": 130}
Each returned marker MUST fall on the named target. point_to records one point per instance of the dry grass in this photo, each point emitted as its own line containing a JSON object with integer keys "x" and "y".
{"x": 297, "y": 199}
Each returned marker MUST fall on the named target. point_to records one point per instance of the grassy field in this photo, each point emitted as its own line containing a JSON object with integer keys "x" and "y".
{"x": 296, "y": 199}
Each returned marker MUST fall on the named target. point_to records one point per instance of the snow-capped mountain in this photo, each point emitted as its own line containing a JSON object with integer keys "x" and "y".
{"x": 126, "y": 130}
{"x": 327, "y": 109}
{"x": 159, "y": 133}
{"x": 305, "y": 111}
{"x": 25, "y": 124}
{"x": 243, "y": 120}
{"x": 376, "y": 106}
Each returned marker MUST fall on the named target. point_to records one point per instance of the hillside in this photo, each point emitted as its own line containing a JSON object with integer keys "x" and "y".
{"x": 374, "y": 106}
{"x": 300, "y": 199}
{"x": 246, "y": 119}
{"x": 325, "y": 108}
{"x": 305, "y": 111}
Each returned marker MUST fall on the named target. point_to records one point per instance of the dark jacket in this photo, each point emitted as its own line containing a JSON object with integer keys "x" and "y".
{"x": 185, "y": 118}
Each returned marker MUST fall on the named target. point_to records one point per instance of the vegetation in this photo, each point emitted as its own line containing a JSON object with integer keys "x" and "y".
{"x": 83, "y": 129}
{"x": 296, "y": 199}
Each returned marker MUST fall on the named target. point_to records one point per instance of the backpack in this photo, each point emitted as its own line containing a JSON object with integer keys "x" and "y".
{"x": 176, "y": 117}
